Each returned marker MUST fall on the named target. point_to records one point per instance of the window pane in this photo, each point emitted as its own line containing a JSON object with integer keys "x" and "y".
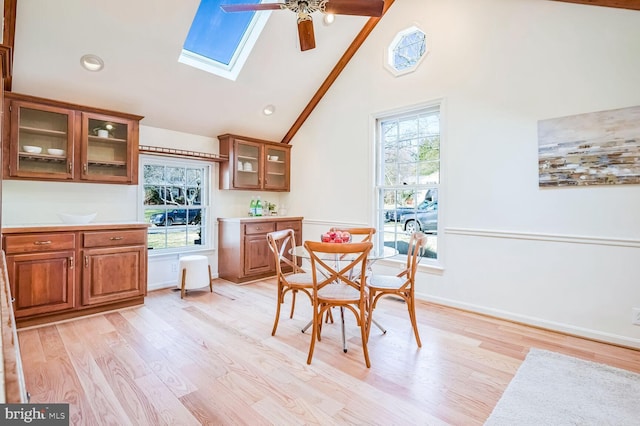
{"x": 153, "y": 174}
{"x": 176, "y": 175}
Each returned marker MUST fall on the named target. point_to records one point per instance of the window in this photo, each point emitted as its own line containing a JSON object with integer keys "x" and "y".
{"x": 408, "y": 177}
{"x": 406, "y": 51}
{"x": 175, "y": 202}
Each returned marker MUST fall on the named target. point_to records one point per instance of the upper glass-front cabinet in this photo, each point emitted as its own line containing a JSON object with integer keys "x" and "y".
{"x": 52, "y": 140}
{"x": 41, "y": 142}
{"x": 106, "y": 148}
{"x": 276, "y": 169}
{"x": 254, "y": 164}
{"x": 248, "y": 165}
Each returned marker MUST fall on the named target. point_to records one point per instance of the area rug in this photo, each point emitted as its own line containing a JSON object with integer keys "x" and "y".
{"x": 553, "y": 389}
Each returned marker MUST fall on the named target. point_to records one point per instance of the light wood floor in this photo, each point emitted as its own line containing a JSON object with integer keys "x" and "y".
{"x": 211, "y": 359}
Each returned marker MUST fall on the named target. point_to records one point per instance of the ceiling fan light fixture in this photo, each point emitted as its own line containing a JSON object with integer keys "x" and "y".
{"x": 91, "y": 62}
{"x": 269, "y": 109}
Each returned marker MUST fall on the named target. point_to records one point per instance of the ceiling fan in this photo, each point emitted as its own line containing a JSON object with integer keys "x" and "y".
{"x": 304, "y": 9}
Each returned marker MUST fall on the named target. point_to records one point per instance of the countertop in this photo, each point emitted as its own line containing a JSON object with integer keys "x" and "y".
{"x": 50, "y": 227}
{"x": 258, "y": 218}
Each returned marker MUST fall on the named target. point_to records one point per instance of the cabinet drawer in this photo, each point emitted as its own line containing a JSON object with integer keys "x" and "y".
{"x": 296, "y": 225}
{"x": 33, "y": 243}
{"x": 259, "y": 228}
{"x": 114, "y": 238}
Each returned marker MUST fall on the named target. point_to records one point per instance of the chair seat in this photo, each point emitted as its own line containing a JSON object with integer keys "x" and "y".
{"x": 300, "y": 279}
{"x": 387, "y": 282}
{"x": 338, "y": 292}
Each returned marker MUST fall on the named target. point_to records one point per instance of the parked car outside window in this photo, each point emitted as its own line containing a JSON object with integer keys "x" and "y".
{"x": 176, "y": 217}
{"x": 394, "y": 215}
{"x": 425, "y": 220}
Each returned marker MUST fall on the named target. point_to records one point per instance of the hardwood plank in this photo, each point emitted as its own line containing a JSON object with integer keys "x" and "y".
{"x": 94, "y": 385}
{"x": 210, "y": 359}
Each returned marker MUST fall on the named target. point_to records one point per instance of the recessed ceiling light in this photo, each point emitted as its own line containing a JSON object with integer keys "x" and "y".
{"x": 269, "y": 109}
{"x": 328, "y": 18}
{"x": 92, "y": 62}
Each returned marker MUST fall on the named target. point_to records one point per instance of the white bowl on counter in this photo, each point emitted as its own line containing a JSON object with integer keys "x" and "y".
{"x": 32, "y": 149}
{"x": 76, "y": 219}
{"x": 53, "y": 151}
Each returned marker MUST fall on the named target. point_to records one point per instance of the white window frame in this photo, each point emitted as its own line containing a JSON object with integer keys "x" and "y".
{"x": 207, "y": 225}
{"x": 379, "y": 208}
{"x": 390, "y": 51}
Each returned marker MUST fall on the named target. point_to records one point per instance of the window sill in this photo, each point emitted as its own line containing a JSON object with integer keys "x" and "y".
{"x": 152, "y": 253}
{"x": 436, "y": 269}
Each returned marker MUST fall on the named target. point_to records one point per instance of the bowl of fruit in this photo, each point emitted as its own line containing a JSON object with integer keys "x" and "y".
{"x": 336, "y": 237}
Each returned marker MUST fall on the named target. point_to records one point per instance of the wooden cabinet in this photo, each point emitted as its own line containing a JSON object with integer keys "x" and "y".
{"x": 113, "y": 266}
{"x": 41, "y": 272}
{"x": 51, "y": 140}
{"x": 62, "y": 272}
{"x": 243, "y": 250}
{"x": 258, "y": 258}
{"x": 254, "y": 164}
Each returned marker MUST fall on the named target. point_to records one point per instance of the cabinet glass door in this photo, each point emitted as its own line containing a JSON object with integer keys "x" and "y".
{"x": 276, "y": 168}
{"x": 248, "y": 167}
{"x": 106, "y": 153}
{"x": 42, "y": 141}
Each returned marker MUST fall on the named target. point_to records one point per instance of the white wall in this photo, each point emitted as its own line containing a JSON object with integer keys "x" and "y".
{"x": 563, "y": 258}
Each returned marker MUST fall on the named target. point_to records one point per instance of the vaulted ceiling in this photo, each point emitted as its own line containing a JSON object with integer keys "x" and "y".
{"x": 140, "y": 42}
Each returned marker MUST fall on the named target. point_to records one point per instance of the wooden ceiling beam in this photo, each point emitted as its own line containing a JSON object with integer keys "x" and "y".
{"x": 335, "y": 72}
{"x": 622, "y": 4}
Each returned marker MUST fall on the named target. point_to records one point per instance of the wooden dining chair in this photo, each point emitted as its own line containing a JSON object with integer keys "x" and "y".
{"x": 335, "y": 286}
{"x": 401, "y": 285}
{"x": 280, "y": 242}
{"x": 362, "y": 234}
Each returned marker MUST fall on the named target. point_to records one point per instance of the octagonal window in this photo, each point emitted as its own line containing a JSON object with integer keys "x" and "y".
{"x": 406, "y": 51}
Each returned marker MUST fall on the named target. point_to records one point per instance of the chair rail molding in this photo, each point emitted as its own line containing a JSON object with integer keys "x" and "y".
{"x": 535, "y": 236}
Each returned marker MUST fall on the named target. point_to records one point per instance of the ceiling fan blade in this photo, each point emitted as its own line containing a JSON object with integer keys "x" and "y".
{"x": 305, "y": 34}
{"x": 251, "y": 7}
{"x": 355, "y": 7}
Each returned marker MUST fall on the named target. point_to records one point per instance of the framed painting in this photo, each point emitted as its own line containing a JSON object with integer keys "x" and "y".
{"x": 597, "y": 148}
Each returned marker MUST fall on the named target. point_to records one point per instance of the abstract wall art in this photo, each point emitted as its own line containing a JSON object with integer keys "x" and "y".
{"x": 597, "y": 148}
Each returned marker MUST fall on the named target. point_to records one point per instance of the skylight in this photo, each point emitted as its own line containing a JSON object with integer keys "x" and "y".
{"x": 220, "y": 42}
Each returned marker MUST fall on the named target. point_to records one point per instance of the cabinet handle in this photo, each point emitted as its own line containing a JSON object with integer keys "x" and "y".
{"x": 71, "y": 262}
{"x": 84, "y": 167}
{"x": 115, "y": 238}
{"x": 70, "y": 167}
{"x": 41, "y": 243}
{"x": 86, "y": 261}
{"x": 13, "y": 299}
{"x": 28, "y": 397}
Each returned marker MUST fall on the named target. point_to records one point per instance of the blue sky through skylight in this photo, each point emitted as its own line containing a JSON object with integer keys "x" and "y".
{"x": 216, "y": 34}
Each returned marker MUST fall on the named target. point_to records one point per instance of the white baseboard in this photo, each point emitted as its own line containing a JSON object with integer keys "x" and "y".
{"x": 536, "y": 322}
